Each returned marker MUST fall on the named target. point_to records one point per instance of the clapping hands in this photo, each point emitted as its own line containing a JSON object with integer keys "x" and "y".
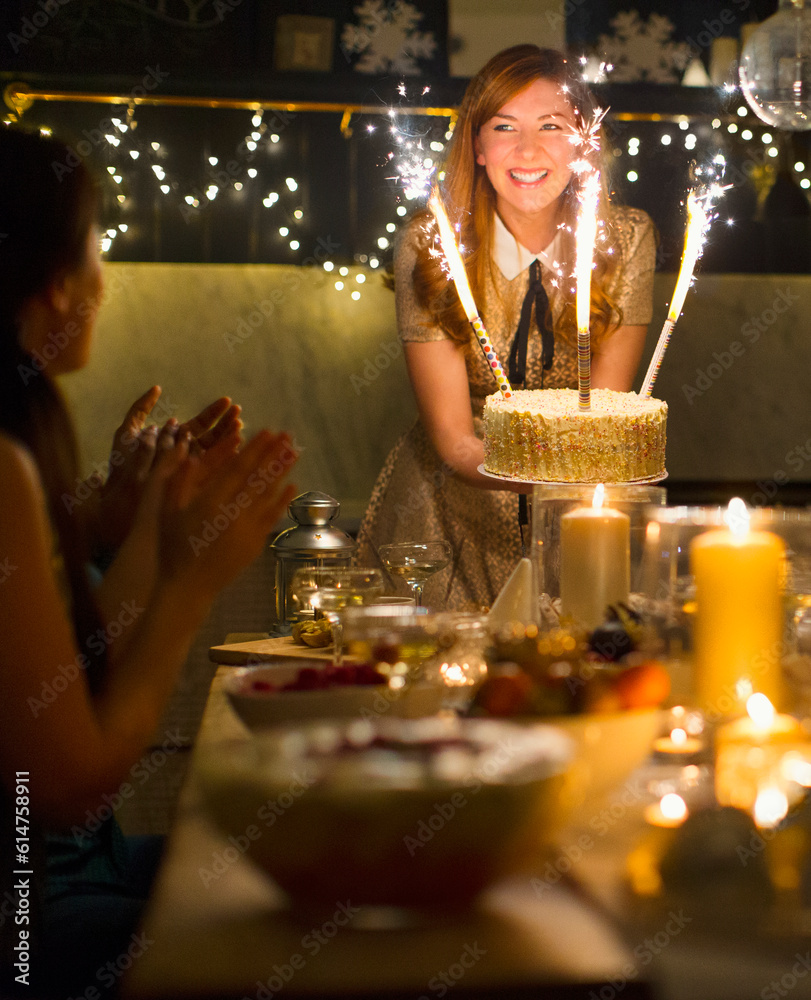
{"x": 213, "y": 435}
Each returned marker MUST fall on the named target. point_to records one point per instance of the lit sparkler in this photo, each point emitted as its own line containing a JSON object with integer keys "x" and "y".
{"x": 459, "y": 274}
{"x": 700, "y": 214}
{"x": 415, "y": 157}
{"x": 587, "y": 136}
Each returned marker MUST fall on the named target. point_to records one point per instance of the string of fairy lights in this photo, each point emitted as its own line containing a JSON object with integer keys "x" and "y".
{"x": 745, "y": 131}
{"x": 126, "y": 153}
{"x": 758, "y": 149}
{"x": 409, "y": 166}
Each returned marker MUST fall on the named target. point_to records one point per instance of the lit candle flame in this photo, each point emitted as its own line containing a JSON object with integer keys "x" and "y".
{"x": 457, "y": 270}
{"x": 771, "y": 807}
{"x": 673, "y": 807}
{"x": 700, "y": 214}
{"x": 678, "y": 736}
{"x": 736, "y": 517}
{"x": 760, "y": 711}
{"x": 598, "y": 498}
{"x": 797, "y": 768}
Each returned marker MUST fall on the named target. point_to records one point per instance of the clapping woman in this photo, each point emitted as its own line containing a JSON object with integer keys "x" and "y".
{"x": 76, "y": 713}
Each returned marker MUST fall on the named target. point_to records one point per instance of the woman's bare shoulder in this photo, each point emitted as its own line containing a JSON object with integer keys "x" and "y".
{"x": 15, "y": 455}
{"x": 18, "y": 472}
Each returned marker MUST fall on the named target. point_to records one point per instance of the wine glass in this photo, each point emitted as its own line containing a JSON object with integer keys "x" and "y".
{"x": 415, "y": 562}
{"x": 326, "y": 591}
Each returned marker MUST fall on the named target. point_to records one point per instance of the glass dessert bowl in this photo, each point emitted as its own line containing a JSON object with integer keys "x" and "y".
{"x": 421, "y": 815}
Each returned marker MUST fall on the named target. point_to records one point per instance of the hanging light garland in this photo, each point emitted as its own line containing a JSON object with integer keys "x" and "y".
{"x": 127, "y": 154}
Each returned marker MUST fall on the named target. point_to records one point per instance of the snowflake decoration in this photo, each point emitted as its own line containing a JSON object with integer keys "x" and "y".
{"x": 642, "y": 50}
{"x": 387, "y": 38}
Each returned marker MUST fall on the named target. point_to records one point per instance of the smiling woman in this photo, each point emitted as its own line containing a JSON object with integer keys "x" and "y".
{"x": 510, "y": 189}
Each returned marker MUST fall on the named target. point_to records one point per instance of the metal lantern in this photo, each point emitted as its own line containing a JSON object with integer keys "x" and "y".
{"x": 312, "y": 541}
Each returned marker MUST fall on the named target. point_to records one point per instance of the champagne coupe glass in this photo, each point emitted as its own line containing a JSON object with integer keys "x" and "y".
{"x": 415, "y": 562}
{"x": 326, "y": 591}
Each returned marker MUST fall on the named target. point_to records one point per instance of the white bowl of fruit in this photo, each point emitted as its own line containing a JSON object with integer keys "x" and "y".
{"x": 600, "y": 688}
{"x": 421, "y": 814}
{"x": 282, "y": 691}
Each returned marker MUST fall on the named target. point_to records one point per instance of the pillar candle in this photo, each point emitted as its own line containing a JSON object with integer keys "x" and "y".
{"x": 739, "y": 616}
{"x": 595, "y": 561}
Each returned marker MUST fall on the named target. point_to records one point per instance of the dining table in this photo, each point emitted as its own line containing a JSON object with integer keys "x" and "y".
{"x": 218, "y": 926}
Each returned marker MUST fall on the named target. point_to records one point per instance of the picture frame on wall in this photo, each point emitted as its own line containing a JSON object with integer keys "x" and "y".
{"x": 304, "y": 43}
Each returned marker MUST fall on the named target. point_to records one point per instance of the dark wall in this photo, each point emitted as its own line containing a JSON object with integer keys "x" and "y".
{"x": 348, "y": 184}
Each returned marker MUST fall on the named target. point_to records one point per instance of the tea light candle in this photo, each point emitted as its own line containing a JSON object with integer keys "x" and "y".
{"x": 677, "y": 744}
{"x": 595, "y": 560}
{"x": 749, "y": 752}
{"x": 670, "y": 811}
{"x": 739, "y": 616}
{"x": 683, "y": 728}
{"x": 761, "y": 725}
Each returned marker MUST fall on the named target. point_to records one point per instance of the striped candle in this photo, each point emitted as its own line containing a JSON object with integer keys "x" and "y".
{"x": 585, "y": 239}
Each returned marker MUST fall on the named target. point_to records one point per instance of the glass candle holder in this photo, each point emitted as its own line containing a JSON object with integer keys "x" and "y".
{"x": 552, "y": 503}
{"x": 669, "y": 586}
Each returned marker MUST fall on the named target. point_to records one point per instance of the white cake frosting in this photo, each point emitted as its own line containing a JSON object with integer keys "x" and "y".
{"x": 544, "y": 436}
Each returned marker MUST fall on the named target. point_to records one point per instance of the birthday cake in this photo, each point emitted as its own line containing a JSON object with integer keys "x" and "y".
{"x": 542, "y": 435}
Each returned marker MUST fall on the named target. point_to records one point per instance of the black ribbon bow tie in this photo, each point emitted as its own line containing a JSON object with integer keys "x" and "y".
{"x": 518, "y": 351}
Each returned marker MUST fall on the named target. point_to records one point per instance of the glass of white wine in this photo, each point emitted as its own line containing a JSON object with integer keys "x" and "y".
{"x": 326, "y": 591}
{"x": 415, "y": 562}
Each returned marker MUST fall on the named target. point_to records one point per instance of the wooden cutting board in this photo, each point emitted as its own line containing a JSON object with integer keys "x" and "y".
{"x": 239, "y": 654}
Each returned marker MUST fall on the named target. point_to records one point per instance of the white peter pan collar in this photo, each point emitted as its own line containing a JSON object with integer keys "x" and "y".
{"x": 513, "y": 258}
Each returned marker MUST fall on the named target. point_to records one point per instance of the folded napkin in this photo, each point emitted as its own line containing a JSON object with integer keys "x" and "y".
{"x": 519, "y": 600}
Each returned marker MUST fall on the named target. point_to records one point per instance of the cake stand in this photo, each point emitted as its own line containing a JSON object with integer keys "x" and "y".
{"x": 647, "y": 480}
{"x": 549, "y": 501}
